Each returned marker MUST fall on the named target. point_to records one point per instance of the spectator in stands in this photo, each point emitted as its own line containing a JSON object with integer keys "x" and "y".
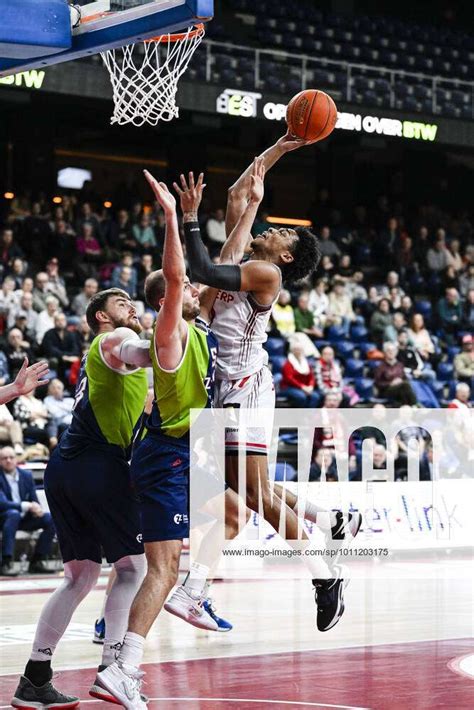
{"x": 340, "y": 307}
{"x": 466, "y": 281}
{"x": 344, "y": 270}
{"x": 4, "y": 370}
{"x": 450, "y": 314}
{"x": 298, "y": 378}
{"x": 144, "y": 269}
{"x": 80, "y": 302}
{"x": 40, "y": 291}
{"x": 9, "y": 249}
{"x": 450, "y": 279}
{"x": 88, "y": 246}
{"x": 83, "y": 335}
{"x": 21, "y": 510}
{"x": 37, "y": 233}
{"x": 147, "y": 320}
{"x": 319, "y": 302}
{"x": 62, "y": 244}
{"x": 392, "y": 331}
{"x": 7, "y": 296}
{"x": 326, "y": 245}
{"x": 405, "y": 257}
{"x": 126, "y": 260}
{"x": 60, "y": 346}
{"x": 406, "y": 307}
{"x": 90, "y": 220}
{"x": 215, "y": 230}
{"x": 16, "y": 351}
{"x": 411, "y": 359}
{"x": 390, "y": 378}
{"x": 381, "y": 319}
{"x": 18, "y": 271}
{"x": 124, "y": 280}
{"x": 283, "y": 314}
{"x": 56, "y": 284}
{"x": 327, "y": 268}
{"x": 468, "y": 311}
{"x": 26, "y": 287}
{"x": 324, "y": 460}
{"x": 122, "y": 233}
{"x": 355, "y": 287}
{"x": 453, "y": 255}
{"x": 461, "y": 400}
{"x": 10, "y": 430}
{"x": 422, "y": 245}
{"x": 388, "y": 241}
{"x": 304, "y": 317}
{"x": 464, "y": 361}
{"x": 143, "y": 234}
{"x": 328, "y": 374}
{"x": 21, "y": 324}
{"x": 437, "y": 256}
{"x": 46, "y": 318}
{"x": 59, "y": 409}
{"x": 420, "y": 337}
{"x": 34, "y": 419}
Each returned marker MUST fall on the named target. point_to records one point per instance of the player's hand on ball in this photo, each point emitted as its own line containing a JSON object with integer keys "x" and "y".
{"x": 288, "y": 142}
{"x": 257, "y": 188}
{"x": 162, "y": 194}
{"x": 190, "y": 193}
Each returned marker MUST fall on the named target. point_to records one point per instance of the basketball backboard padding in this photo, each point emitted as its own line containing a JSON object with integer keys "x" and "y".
{"x": 29, "y": 28}
{"x": 118, "y": 29}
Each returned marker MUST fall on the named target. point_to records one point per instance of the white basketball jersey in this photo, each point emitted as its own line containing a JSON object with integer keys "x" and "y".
{"x": 240, "y": 324}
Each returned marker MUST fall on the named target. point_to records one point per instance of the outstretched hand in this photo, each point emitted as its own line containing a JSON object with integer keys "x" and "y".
{"x": 31, "y": 377}
{"x": 288, "y": 142}
{"x": 257, "y": 188}
{"x": 162, "y": 194}
{"x": 190, "y": 193}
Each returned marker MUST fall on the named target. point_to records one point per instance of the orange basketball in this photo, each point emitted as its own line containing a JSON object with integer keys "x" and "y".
{"x": 311, "y": 115}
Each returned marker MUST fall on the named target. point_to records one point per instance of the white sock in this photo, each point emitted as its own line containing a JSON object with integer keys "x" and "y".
{"x": 316, "y": 563}
{"x": 196, "y": 579}
{"x": 323, "y": 518}
{"x": 80, "y": 576}
{"x": 131, "y": 653}
{"x": 130, "y": 571}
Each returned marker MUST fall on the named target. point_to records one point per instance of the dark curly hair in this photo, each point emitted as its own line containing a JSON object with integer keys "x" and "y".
{"x": 306, "y": 257}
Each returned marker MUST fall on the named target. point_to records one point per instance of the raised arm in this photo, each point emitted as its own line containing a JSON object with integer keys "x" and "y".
{"x": 123, "y": 346}
{"x": 233, "y": 250}
{"x": 27, "y": 380}
{"x": 238, "y": 193}
{"x": 171, "y": 329}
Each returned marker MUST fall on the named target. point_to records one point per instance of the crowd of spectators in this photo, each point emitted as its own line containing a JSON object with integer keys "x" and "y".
{"x": 388, "y": 316}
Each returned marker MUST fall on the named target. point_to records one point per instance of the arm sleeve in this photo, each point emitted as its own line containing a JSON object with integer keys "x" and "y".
{"x": 135, "y": 352}
{"x": 223, "y": 276}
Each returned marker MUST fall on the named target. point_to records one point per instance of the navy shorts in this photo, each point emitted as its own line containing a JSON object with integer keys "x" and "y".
{"x": 160, "y": 478}
{"x": 91, "y": 500}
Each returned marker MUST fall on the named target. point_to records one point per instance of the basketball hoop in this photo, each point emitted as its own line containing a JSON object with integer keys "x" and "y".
{"x": 145, "y": 76}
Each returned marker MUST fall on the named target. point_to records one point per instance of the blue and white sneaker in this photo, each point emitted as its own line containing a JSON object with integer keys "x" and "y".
{"x": 99, "y": 631}
{"x": 222, "y": 624}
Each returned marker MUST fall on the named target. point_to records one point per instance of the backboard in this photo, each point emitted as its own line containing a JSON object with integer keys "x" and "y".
{"x": 107, "y": 24}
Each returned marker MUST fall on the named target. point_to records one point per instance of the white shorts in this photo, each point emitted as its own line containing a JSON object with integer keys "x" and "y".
{"x": 253, "y": 392}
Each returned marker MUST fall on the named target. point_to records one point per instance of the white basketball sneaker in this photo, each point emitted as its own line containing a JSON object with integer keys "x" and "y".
{"x": 187, "y": 606}
{"x": 115, "y": 685}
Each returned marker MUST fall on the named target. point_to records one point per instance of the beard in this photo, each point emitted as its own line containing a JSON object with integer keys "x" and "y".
{"x": 128, "y": 323}
{"x": 190, "y": 311}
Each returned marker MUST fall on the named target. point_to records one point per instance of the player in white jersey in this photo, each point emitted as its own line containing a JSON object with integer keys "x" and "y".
{"x": 247, "y": 292}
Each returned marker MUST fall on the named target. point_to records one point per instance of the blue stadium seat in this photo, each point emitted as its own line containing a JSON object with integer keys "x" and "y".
{"x": 275, "y": 346}
{"x": 364, "y": 388}
{"x": 445, "y": 371}
{"x": 359, "y": 333}
{"x": 452, "y": 351}
{"x": 372, "y": 365}
{"x": 424, "y": 307}
{"x": 344, "y": 349}
{"x": 353, "y": 368}
{"x": 277, "y": 362}
{"x": 366, "y": 347}
{"x": 281, "y": 472}
{"x": 336, "y": 334}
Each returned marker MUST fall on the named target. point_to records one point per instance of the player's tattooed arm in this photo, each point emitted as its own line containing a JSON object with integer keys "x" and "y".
{"x": 234, "y": 248}
{"x": 171, "y": 329}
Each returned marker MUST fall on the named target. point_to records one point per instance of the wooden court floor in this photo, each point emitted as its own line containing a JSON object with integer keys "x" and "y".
{"x": 401, "y": 644}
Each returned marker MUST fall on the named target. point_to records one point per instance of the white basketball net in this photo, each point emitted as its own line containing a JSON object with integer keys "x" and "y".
{"x": 145, "y": 76}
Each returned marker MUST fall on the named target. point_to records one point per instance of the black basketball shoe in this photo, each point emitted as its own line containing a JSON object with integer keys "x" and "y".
{"x": 329, "y": 598}
{"x": 28, "y": 695}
